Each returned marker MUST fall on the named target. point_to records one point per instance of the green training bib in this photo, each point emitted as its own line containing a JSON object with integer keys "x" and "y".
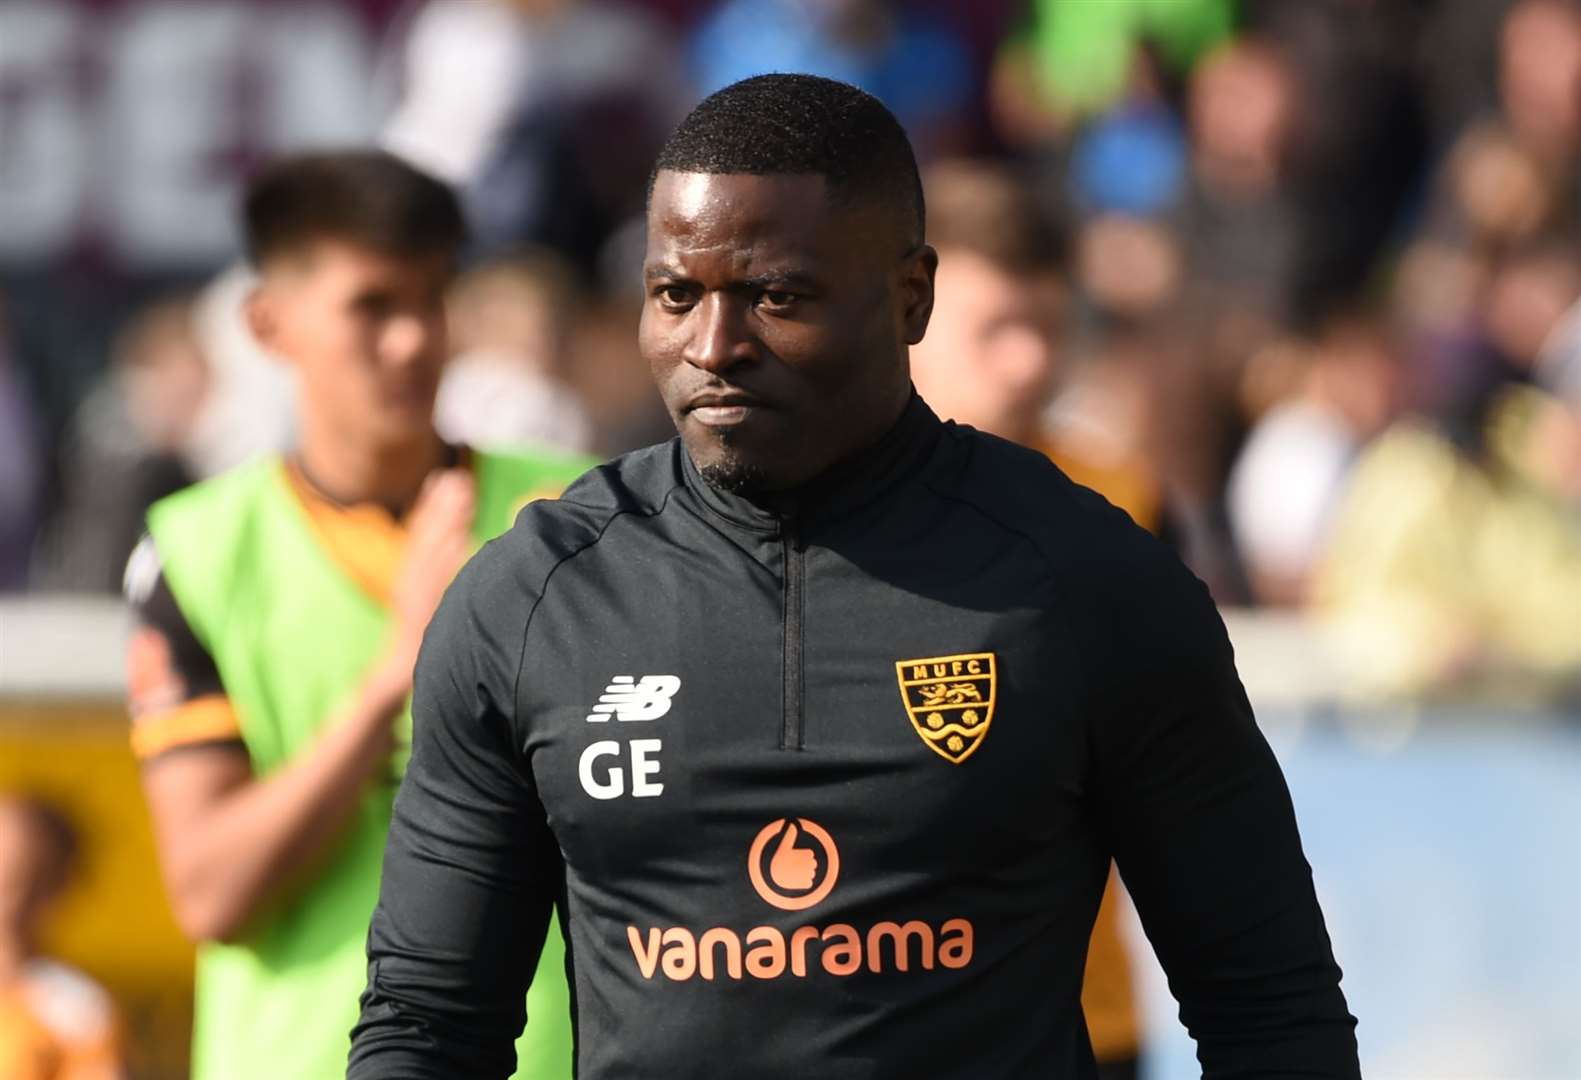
{"x": 293, "y": 636}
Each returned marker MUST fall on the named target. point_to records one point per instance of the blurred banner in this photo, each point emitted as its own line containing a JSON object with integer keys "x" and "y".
{"x": 126, "y": 129}
{"x": 130, "y": 124}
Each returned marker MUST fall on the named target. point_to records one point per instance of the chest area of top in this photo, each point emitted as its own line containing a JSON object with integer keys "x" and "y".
{"x": 892, "y": 679}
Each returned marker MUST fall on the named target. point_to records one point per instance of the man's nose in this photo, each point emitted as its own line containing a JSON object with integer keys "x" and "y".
{"x": 720, "y": 339}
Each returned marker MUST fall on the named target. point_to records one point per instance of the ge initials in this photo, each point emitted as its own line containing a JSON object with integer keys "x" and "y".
{"x": 629, "y": 701}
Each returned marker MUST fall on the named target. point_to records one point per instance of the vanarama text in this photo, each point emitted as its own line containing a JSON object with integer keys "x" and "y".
{"x": 766, "y": 953}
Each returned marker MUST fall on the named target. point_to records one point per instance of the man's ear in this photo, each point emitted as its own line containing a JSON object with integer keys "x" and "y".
{"x": 261, "y": 309}
{"x": 916, "y": 285}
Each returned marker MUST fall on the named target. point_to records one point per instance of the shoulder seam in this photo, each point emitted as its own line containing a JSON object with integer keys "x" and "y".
{"x": 543, "y": 589}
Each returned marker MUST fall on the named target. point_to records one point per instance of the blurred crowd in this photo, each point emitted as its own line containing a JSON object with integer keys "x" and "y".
{"x": 1293, "y": 281}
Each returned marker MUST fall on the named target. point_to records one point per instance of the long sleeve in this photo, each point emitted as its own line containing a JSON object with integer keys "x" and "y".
{"x": 470, "y": 871}
{"x": 1204, "y": 832}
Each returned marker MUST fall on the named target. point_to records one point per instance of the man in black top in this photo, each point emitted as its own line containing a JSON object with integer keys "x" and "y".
{"x": 822, "y": 723}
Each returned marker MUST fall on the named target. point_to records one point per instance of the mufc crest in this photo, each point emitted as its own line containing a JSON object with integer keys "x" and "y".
{"x": 950, "y": 700}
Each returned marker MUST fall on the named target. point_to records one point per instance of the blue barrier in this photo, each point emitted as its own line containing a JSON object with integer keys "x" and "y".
{"x": 1448, "y": 863}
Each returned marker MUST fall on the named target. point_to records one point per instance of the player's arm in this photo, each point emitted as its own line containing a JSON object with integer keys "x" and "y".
{"x": 470, "y": 870}
{"x": 230, "y": 842}
{"x": 1204, "y": 833}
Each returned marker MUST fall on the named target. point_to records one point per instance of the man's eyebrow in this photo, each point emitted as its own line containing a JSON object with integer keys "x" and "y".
{"x": 767, "y": 279}
{"x": 655, "y": 271}
{"x": 784, "y": 277}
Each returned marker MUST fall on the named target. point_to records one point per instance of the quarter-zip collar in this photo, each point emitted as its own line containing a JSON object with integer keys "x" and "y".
{"x": 846, "y": 486}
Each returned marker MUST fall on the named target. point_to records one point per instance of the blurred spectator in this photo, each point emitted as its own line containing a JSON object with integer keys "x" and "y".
{"x": 1131, "y": 159}
{"x": 1227, "y": 174}
{"x": 989, "y": 357}
{"x": 1074, "y": 60}
{"x": 20, "y": 472}
{"x": 1512, "y": 176}
{"x": 1238, "y": 224}
{"x": 1358, "y": 149}
{"x": 514, "y": 101}
{"x": 1455, "y": 564}
{"x": 1458, "y": 369}
{"x": 1540, "y": 81}
{"x": 1292, "y": 468}
{"x": 1129, "y": 269}
{"x": 510, "y": 326}
{"x": 1495, "y": 192}
{"x": 55, "y": 1022}
{"x": 1527, "y": 299}
{"x": 910, "y": 64}
{"x": 125, "y": 449}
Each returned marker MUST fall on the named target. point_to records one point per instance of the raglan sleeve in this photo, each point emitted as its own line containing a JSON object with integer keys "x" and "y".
{"x": 1203, "y": 829}
{"x": 174, "y": 692}
{"x": 470, "y": 868}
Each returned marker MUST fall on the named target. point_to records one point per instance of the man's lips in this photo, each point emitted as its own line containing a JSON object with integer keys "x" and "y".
{"x": 723, "y": 410}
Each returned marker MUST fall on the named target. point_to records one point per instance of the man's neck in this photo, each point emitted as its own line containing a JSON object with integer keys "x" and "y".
{"x": 388, "y": 474}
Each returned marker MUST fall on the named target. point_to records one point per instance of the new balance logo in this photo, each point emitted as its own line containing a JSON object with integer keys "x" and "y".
{"x": 628, "y": 699}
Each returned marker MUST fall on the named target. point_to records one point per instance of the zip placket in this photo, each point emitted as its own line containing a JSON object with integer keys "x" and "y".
{"x": 795, "y": 558}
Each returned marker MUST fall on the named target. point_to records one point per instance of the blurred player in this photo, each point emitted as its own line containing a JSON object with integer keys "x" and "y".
{"x": 279, "y": 610}
{"x": 989, "y": 360}
{"x": 55, "y": 1023}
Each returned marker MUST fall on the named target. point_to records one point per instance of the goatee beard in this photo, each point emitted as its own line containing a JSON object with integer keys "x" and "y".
{"x": 734, "y": 475}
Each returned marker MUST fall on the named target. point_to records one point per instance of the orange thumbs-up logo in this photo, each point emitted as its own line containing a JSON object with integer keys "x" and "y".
{"x": 793, "y": 863}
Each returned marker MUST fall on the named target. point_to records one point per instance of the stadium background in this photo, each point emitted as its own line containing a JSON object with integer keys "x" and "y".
{"x": 1320, "y": 258}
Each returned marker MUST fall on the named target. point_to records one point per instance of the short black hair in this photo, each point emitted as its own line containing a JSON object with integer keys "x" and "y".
{"x": 801, "y": 124}
{"x": 367, "y": 197}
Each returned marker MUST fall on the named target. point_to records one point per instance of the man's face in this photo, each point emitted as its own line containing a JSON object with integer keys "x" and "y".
{"x": 365, "y": 332}
{"x": 776, "y": 323}
{"x": 988, "y": 359}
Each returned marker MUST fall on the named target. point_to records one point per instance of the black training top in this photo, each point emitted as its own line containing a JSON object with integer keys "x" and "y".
{"x": 831, "y": 791}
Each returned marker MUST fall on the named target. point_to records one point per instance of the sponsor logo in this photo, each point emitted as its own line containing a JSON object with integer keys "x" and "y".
{"x": 793, "y": 864}
{"x": 801, "y": 869}
{"x": 628, "y": 699}
{"x": 950, "y": 700}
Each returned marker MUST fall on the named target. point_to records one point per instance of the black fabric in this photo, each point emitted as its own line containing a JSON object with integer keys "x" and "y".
{"x": 188, "y": 658}
{"x": 1118, "y": 727}
{"x": 178, "y": 671}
